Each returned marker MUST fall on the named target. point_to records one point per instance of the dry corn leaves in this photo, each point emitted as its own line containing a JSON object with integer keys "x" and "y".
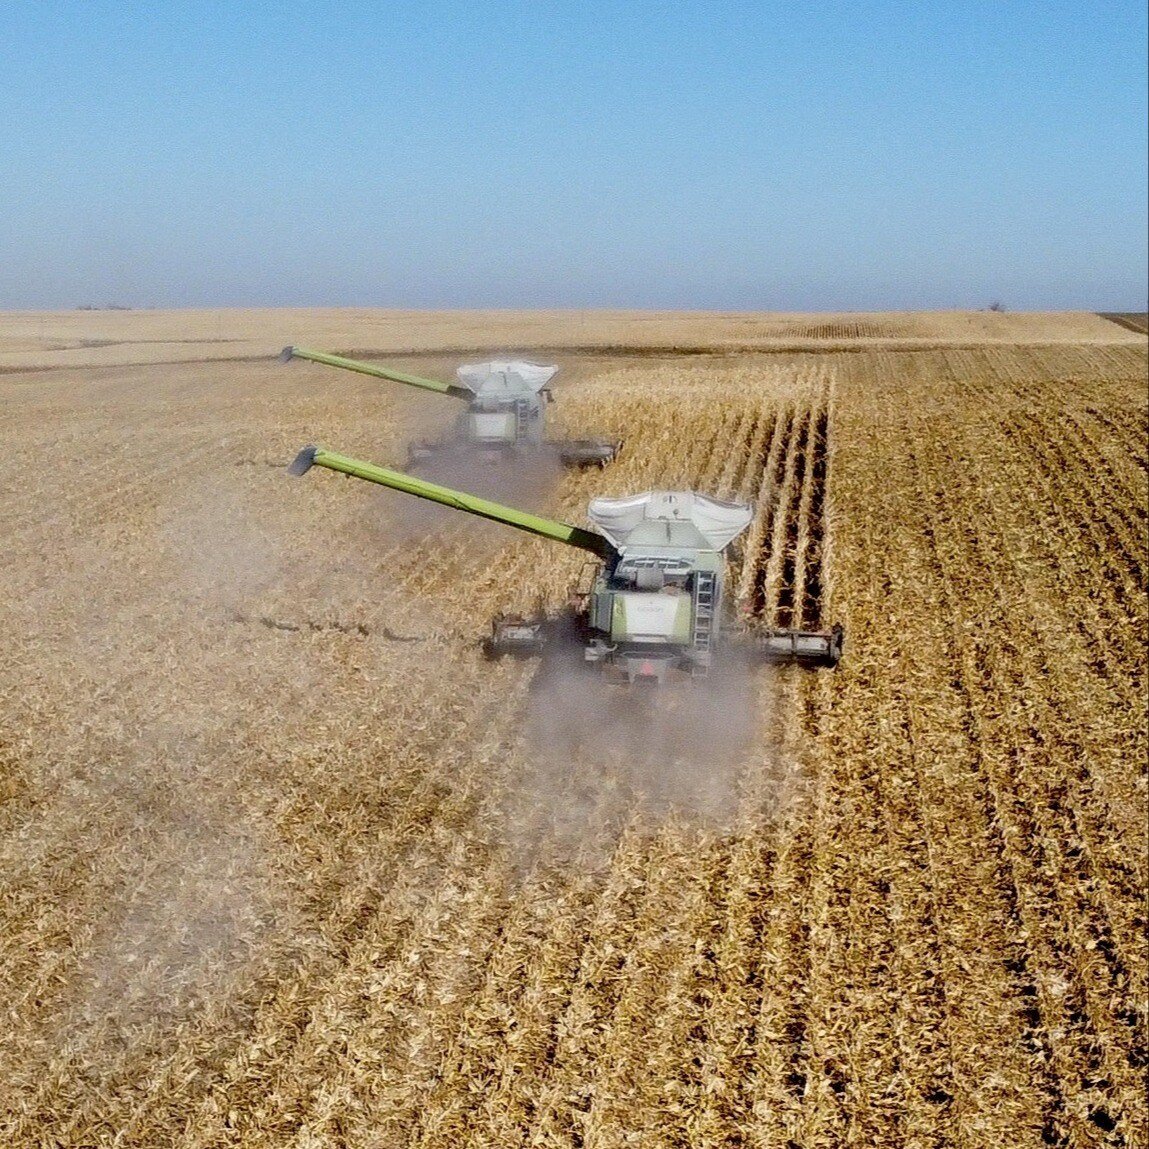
{"x": 286, "y": 862}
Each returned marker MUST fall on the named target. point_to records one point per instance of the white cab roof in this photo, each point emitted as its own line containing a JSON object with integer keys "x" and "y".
{"x": 670, "y": 519}
{"x": 508, "y": 376}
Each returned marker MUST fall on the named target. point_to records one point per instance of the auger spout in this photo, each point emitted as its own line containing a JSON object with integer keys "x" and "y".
{"x": 473, "y": 505}
{"x": 289, "y": 353}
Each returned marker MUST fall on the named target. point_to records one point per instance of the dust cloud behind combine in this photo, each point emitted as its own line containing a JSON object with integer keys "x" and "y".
{"x": 142, "y": 706}
{"x": 599, "y": 754}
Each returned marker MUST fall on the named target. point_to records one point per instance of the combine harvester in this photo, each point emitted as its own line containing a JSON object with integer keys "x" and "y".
{"x": 654, "y": 605}
{"x": 506, "y": 409}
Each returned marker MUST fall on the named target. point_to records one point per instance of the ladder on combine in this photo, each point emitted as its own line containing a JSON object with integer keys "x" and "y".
{"x": 522, "y": 419}
{"x": 702, "y": 634}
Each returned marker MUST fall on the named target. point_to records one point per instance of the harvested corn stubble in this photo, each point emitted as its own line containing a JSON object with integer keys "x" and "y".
{"x": 286, "y": 861}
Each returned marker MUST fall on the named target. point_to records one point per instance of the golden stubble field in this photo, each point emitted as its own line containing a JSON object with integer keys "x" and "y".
{"x": 284, "y": 861}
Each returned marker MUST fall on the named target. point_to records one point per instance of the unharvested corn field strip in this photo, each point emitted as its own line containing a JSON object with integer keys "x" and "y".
{"x": 285, "y": 861}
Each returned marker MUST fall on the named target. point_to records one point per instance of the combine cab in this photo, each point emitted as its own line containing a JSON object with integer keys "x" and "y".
{"x": 653, "y": 609}
{"x": 506, "y": 409}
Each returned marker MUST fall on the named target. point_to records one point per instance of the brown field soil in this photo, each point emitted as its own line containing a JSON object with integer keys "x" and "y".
{"x": 284, "y": 861}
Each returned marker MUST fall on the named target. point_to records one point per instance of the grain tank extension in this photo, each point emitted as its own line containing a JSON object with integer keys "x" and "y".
{"x": 654, "y": 605}
{"x": 506, "y": 409}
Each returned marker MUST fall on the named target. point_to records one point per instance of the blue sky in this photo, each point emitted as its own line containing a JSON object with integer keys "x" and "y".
{"x": 690, "y": 154}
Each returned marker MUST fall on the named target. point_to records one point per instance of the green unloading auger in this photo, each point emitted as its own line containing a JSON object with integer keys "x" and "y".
{"x": 289, "y": 353}
{"x": 534, "y": 524}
